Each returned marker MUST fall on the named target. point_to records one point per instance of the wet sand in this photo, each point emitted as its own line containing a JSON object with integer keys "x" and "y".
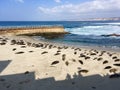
{"x": 37, "y": 65}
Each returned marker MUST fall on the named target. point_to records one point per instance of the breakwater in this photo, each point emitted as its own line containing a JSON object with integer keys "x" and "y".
{"x": 32, "y": 30}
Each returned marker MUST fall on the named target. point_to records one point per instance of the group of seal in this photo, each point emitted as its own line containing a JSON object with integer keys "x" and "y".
{"x": 82, "y": 56}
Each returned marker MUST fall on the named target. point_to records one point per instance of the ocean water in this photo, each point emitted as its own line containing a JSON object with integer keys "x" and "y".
{"x": 84, "y": 33}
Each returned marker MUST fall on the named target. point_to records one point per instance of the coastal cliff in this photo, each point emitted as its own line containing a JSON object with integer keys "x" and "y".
{"x": 33, "y": 30}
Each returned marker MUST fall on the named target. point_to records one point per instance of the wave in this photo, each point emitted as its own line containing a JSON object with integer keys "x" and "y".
{"x": 113, "y": 23}
{"x": 94, "y": 30}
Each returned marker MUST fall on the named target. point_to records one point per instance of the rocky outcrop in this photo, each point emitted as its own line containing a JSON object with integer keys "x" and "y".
{"x": 116, "y": 35}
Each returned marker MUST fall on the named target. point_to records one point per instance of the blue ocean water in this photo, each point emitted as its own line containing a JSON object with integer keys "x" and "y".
{"x": 82, "y": 32}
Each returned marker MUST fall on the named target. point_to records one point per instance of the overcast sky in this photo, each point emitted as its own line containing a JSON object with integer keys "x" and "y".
{"x": 52, "y": 10}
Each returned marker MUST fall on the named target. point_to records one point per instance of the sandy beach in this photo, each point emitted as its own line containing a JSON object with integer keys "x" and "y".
{"x": 27, "y": 64}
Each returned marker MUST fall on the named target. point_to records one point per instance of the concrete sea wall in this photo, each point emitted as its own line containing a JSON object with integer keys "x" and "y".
{"x": 32, "y": 30}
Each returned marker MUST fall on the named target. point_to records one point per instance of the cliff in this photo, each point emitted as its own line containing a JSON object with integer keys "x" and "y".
{"x": 32, "y": 30}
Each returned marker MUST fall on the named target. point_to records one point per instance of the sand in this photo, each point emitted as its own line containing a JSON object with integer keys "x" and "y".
{"x": 37, "y": 65}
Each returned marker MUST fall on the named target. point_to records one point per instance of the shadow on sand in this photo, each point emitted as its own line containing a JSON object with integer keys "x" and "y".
{"x": 4, "y": 64}
{"x": 27, "y": 81}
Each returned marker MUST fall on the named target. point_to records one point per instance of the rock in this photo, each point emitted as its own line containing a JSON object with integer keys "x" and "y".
{"x": 109, "y": 35}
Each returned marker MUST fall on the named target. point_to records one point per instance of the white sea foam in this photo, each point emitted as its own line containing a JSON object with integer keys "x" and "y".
{"x": 95, "y": 30}
{"x": 115, "y": 23}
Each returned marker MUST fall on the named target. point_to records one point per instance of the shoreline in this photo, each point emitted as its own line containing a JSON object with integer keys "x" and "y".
{"x": 101, "y": 48}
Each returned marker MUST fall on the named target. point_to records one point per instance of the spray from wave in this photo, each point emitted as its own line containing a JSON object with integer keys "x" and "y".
{"x": 95, "y": 30}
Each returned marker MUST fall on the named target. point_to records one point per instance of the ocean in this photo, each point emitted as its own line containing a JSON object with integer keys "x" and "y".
{"x": 83, "y": 33}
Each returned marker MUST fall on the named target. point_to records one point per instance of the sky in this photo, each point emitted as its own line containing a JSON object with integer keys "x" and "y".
{"x": 57, "y": 10}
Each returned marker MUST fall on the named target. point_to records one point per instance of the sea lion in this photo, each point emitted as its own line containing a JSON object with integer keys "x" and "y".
{"x": 99, "y": 59}
{"x": 67, "y": 63}
{"x": 23, "y": 46}
{"x": 114, "y": 57}
{"x": 87, "y": 57}
{"x": 107, "y": 67}
{"x": 75, "y": 53}
{"x": 80, "y": 61}
{"x": 92, "y": 53}
{"x": 82, "y": 55}
{"x": 55, "y": 62}
{"x": 31, "y": 51}
{"x": 105, "y": 62}
{"x": 63, "y": 57}
{"x": 14, "y": 49}
{"x": 21, "y": 52}
{"x": 117, "y": 60}
{"x": 114, "y": 75}
{"x": 117, "y": 64}
{"x": 83, "y": 71}
{"x": 27, "y": 72}
{"x": 73, "y": 60}
{"x": 113, "y": 70}
{"x": 57, "y": 53}
{"x": 44, "y": 52}
{"x": 13, "y": 42}
{"x": 2, "y": 43}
